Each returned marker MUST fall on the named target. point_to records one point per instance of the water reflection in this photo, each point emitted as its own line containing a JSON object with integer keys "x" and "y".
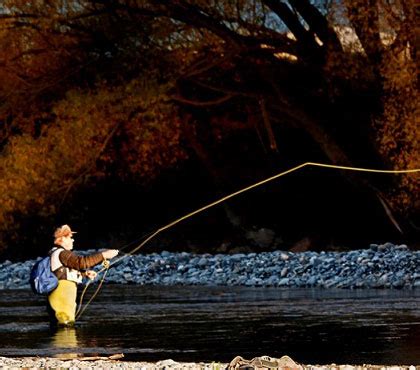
{"x": 64, "y": 338}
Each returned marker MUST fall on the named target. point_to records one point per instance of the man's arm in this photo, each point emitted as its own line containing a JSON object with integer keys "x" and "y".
{"x": 72, "y": 260}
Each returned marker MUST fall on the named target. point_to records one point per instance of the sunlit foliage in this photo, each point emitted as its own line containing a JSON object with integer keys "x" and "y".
{"x": 398, "y": 128}
{"x": 94, "y": 88}
{"x": 132, "y": 128}
{"x": 382, "y": 49}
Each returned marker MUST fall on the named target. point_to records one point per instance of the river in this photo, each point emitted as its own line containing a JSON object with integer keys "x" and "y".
{"x": 192, "y": 323}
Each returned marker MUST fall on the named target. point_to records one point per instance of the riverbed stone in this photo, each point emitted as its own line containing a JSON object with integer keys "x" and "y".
{"x": 379, "y": 266}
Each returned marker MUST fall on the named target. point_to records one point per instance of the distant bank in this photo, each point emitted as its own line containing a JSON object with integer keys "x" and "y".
{"x": 380, "y": 266}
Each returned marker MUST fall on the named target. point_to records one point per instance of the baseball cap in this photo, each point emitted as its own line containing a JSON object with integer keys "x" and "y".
{"x": 63, "y": 231}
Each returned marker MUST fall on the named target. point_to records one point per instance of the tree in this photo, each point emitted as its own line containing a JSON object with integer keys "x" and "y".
{"x": 342, "y": 73}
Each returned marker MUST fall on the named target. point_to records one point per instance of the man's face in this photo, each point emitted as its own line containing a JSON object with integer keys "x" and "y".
{"x": 67, "y": 242}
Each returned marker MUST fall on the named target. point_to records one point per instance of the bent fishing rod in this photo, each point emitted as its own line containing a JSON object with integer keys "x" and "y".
{"x": 151, "y": 235}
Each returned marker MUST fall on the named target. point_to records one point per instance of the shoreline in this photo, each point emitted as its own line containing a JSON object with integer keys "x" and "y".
{"x": 385, "y": 266}
{"x": 73, "y": 363}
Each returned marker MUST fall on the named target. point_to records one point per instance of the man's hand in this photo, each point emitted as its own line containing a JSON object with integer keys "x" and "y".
{"x": 90, "y": 274}
{"x": 110, "y": 253}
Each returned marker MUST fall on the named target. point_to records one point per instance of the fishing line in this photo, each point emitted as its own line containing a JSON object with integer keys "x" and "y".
{"x": 173, "y": 223}
{"x": 80, "y": 310}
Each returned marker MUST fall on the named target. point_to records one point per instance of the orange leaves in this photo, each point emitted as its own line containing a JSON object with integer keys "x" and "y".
{"x": 150, "y": 141}
{"x": 378, "y": 40}
{"x": 132, "y": 127}
{"x": 38, "y": 51}
{"x": 398, "y": 133}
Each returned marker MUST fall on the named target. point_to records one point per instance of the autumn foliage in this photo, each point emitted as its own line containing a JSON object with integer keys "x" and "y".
{"x": 97, "y": 89}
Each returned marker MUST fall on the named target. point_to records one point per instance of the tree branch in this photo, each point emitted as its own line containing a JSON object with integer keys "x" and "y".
{"x": 267, "y": 125}
{"x": 202, "y": 103}
{"x": 318, "y": 23}
{"x": 308, "y": 45}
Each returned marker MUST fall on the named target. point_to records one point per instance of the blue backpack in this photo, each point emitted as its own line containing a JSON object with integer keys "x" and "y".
{"x": 42, "y": 279}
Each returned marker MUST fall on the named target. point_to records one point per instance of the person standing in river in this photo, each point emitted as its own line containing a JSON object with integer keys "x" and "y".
{"x": 69, "y": 269}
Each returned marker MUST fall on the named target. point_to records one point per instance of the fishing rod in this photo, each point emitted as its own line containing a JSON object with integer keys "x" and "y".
{"x": 151, "y": 235}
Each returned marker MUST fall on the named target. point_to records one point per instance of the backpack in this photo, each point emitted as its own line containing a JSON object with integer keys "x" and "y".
{"x": 42, "y": 279}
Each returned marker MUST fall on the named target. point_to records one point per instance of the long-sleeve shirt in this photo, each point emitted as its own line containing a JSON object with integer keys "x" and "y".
{"x": 72, "y": 261}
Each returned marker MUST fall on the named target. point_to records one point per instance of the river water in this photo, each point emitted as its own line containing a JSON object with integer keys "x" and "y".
{"x": 149, "y": 323}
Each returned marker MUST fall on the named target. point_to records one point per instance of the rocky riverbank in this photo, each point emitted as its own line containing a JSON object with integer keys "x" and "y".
{"x": 47, "y": 363}
{"x": 379, "y": 266}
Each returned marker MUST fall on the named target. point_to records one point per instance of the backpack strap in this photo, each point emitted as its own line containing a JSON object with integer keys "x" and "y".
{"x": 55, "y": 258}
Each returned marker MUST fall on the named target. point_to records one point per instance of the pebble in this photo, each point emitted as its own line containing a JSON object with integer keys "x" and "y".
{"x": 169, "y": 364}
{"x": 385, "y": 266}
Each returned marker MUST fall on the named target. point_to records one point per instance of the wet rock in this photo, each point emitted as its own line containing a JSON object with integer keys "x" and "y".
{"x": 284, "y": 256}
{"x": 284, "y": 282}
{"x": 386, "y": 266}
{"x": 202, "y": 262}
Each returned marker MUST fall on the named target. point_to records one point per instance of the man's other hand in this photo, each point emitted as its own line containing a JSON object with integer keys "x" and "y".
{"x": 110, "y": 253}
{"x": 91, "y": 274}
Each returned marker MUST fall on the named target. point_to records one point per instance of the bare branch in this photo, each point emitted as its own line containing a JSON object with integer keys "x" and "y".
{"x": 202, "y": 103}
{"x": 306, "y": 39}
{"x": 267, "y": 125}
{"x": 389, "y": 213}
{"x": 318, "y": 24}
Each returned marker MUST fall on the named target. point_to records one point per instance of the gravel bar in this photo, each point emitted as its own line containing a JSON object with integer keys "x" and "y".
{"x": 379, "y": 266}
{"x": 52, "y": 363}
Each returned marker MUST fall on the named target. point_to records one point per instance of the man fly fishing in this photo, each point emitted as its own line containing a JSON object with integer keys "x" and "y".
{"x": 69, "y": 268}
